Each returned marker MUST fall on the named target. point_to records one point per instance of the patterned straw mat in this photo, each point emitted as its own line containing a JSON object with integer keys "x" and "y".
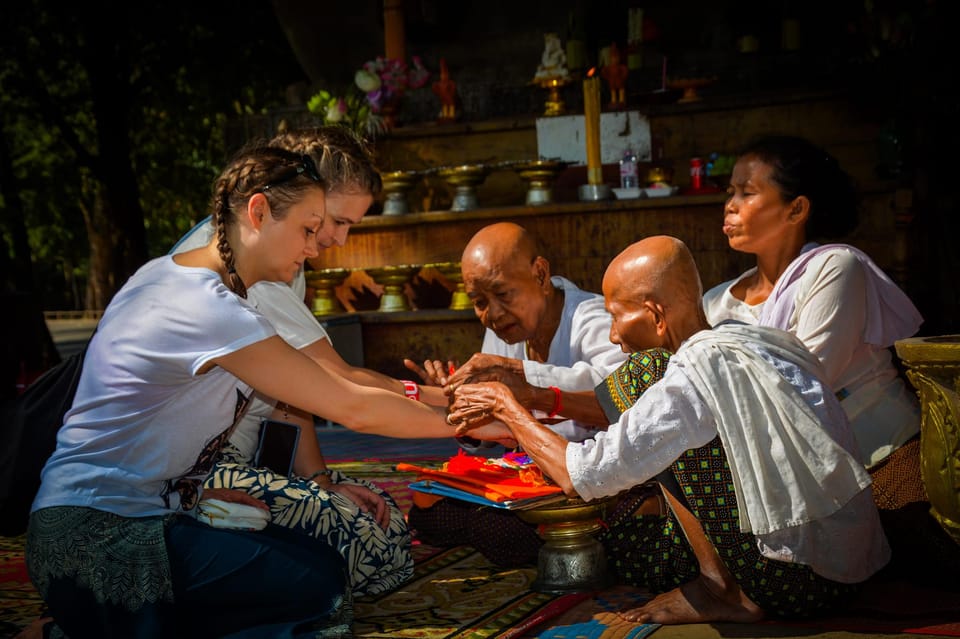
{"x": 454, "y": 593}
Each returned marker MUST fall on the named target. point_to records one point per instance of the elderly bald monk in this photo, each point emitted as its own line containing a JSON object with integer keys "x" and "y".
{"x": 540, "y": 328}
{"x": 775, "y": 516}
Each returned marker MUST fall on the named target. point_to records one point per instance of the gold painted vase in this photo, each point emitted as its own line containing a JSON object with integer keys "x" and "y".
{"x": 933, "y": 367}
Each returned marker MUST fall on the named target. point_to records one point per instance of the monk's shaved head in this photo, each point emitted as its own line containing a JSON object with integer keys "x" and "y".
{"x": 653, "y": 292}
{"x": 500, "y": 246}
{"x": 508, "y": 282}
{"x": 660, "y": 268}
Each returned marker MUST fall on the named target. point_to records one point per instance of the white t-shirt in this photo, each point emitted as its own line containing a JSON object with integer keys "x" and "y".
{"x": 202, "y": 233}
{"x": 581, "y": 353}
{"x": 284, "y": 306}
{"x": 830, "y": 317}
{"x": 143, "y": 419}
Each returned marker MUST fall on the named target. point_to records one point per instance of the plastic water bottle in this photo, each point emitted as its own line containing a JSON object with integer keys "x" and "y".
{"x": 628, "y": 171}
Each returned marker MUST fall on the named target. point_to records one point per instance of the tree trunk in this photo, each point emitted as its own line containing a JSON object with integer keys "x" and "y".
{"x": 18, "y": 275}
{"x": 118, "y": 242}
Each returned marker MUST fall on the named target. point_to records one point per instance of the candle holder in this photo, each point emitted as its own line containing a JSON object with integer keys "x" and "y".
{"x": 465, "y": 179}
{"x": 392, "y": 278}
{"x": 396, "y": 186}
{"x": 459, "y": 301}
{"x": 540, "y": 176}
{"x": 554, "y": 104}
{"x": 323, "y": 282}
{"x": 594, "y": 192}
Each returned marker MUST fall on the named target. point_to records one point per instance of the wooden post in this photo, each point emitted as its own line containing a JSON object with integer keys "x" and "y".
{"x": 395, "y": 47}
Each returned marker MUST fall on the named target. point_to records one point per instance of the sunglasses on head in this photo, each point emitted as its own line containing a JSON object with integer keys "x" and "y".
{"x": 305, "y": 166}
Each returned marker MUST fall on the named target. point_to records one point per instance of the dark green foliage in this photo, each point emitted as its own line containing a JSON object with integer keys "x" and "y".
{"x": 112, "y": 131}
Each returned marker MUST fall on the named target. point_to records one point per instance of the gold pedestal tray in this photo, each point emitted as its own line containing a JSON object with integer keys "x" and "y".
{"x": 459, "y": 301}
{"x": 396, "y": 186}
{"x": 570, "y": 560}
{"x": 540, "y": 176}
{"x": 933, "y": 367}
{"x": 689, "y": 87}
{"x": 465, "y": 179}
{"x": 392, "y": 278}
{"x": 324, "y": 281}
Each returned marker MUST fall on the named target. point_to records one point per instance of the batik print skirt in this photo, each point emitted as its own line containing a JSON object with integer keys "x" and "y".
{"x": 378, "y": 560}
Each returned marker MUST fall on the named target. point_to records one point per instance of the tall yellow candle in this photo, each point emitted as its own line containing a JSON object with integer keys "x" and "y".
{"x": 591, "y": 116}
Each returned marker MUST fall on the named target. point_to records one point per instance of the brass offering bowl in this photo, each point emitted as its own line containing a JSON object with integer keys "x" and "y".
{"x": 464, "y": 179}
{"x": 324, "y": 281}
{"x": 459, "y": 301}
{"x": 392, "y": 278}
{"x": 396, "y": 186}
{"x": 570, "y": 560}
{"x": 540, "y": 176}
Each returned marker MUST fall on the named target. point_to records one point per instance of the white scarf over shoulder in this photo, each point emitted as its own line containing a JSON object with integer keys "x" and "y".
{"x": 787, "y": 468}
{"x": 892, "y": 314}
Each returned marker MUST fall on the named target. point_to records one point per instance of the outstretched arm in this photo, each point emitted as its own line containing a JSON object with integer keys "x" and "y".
{"x": 323, "y": 353}
{"x": 276, "y": 369}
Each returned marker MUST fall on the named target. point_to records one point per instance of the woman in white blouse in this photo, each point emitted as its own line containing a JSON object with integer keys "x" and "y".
{"x": 784, "y": 192}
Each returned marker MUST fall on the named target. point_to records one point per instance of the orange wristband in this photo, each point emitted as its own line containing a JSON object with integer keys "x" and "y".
{"x": 557, "y": 404}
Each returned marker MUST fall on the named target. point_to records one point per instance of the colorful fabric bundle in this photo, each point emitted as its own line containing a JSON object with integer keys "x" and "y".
{"x": 478, "y": 476}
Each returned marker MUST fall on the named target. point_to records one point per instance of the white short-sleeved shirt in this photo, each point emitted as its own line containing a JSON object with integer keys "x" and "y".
{"x": 202, "y": 233}
{"x": 143, "y": 419}
{"x": 581, "y": 353}
{"x": 284, "y": 306}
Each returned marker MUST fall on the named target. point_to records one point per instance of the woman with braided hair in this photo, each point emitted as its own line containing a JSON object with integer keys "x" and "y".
{"x": 353, "y": 515}
{"x": 115, "y": 545}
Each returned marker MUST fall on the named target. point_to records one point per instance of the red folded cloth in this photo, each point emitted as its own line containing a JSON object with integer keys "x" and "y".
{"x": 475, "y": 475}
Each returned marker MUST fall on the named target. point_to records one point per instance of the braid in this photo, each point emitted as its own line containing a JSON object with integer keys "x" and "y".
{"x": 250, "y": 172}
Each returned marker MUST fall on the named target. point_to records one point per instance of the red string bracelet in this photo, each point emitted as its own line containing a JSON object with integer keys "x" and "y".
{"x": 557, "y": 404}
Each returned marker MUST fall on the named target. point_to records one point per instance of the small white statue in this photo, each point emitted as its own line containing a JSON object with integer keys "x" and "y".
{"x": 553, "y": 62}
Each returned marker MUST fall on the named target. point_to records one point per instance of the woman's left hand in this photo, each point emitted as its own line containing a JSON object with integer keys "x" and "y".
{"x": 366, "y": 500}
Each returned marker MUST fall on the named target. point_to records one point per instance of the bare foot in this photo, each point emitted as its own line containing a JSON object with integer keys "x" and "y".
{"x": 34, "y": 630}
{"x": 696, "y": 602}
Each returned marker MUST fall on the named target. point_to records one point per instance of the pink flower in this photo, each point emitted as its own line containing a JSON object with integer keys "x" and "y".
{"x": 395, "y": 77}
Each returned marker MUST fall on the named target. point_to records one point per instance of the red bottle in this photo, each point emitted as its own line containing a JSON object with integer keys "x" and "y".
{"x": 696, "y": 174}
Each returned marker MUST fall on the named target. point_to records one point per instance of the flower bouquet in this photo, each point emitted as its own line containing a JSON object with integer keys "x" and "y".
{"x": 371, "y": 104}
